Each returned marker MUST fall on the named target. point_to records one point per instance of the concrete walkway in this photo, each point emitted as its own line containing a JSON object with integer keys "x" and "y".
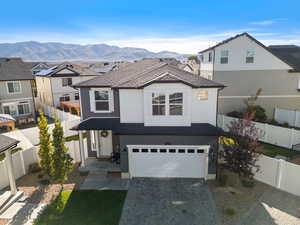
{"x": 99, "y": 179}
{"x": 169, "y": 202}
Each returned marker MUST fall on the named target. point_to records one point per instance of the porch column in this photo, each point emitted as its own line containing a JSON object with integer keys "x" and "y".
{"x": 10, "y": 172}
{"x": 97, "y": 143}
{"x": 81, "y": 147}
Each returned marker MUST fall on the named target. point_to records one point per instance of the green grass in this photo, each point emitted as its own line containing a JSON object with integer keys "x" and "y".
{"x": 84, "y": 208}
{"x": 272, "y": 151}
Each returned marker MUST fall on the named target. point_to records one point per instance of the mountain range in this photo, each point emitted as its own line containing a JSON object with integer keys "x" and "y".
{"x": 55, "y": 51}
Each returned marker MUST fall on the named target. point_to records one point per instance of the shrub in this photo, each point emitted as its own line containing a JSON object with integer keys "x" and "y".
{"x": 34, "y": 168}
{"x": 222, "y": 180}
{"x": 260, "y": 113}
{"x": 274, "y": 122}
{"x": 248, "y": 183}
{"x": 230, "y": 211}
{"x": 44, "y": 182}
{"x": 235, "y": 114}
{"x": 285, "y": 124}
{"x": 40, "y": 176}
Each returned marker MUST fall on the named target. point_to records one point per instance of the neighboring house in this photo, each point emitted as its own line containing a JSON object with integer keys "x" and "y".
{"x": 161, "y": 118}
{"x": 244, "y": 65}
{"x": 191, "y": 66}
{"x": 16, "y": 90}
{"x": 54, "y": 85}
{"x": 38, "y": 67}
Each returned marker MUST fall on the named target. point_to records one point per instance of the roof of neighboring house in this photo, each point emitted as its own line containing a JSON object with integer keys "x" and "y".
{"x": 202, "y": 129}
{"x": 145, "y": 72}
{"x": 76, "y": 70}
{"x": 287, "y": 53}
{"x": 253, "y": 39}
{"x": 6, "y": 143}
{"x": 6, "y": 118}
{"x": 15, "y": 69}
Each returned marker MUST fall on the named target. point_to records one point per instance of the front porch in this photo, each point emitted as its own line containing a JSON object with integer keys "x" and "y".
{"x": 103, "y": 175}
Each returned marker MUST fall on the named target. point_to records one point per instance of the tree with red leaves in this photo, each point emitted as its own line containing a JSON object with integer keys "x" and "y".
{"x": 240, "y": 155}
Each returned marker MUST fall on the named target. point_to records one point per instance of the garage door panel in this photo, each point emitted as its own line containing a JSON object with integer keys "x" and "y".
{"x": 144, "y": 163}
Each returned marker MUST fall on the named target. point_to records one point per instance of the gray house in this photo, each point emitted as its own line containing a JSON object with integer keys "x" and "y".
{"x": 16, "y": 89}
{"x": 244, "y": 65}
{"x": 161, "y": 119}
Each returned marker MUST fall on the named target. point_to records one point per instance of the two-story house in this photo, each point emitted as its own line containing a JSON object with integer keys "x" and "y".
{"x": 161, "y": 118}
{"x": 54, "y": 85}
{"x": 244, "y": 65}
{"x": 16, "y": 90}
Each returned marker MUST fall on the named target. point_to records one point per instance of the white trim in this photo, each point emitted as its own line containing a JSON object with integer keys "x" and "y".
{"x": 80, "y": 104}
{"x": 160, "y": 76}
{"x": 110, "y": 100}
{"x": 263, "y": 96}
{"x": 14, "y": 81}
{"x": 15, "y": 99}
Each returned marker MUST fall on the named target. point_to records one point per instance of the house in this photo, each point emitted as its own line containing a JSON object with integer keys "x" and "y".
{"x": 161, "y": 119}
{"x": 244, "y": 65}
{"x": 54, "y": 85}
{"x": 16, "y": 90}
{"x": 38, "y": 67}
{"x": 191, "y": 66}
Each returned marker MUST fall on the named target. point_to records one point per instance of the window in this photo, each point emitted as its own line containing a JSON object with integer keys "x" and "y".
{"x": 176, "y": 104}
{"x": 23, "y": 108}
{"x": 13, "y": 87}
{"x": 158, "y": 104}
{"x": 66, "y": 82}
{"x": 101, "y": 100}
{"x": 250, "y": 56}
{"x": 77, "y": 96}
{"x": 224, "y": 57}
{"x": 209, "y": 56}
{"x": 203, "y": 95}
{"x": 64, "y": 98}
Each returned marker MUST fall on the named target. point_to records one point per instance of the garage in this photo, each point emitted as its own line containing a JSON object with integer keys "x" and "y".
{"x": 168, "y": 161}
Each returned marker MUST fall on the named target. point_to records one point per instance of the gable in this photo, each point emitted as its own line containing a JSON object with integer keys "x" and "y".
{"x": 238, "y": 47}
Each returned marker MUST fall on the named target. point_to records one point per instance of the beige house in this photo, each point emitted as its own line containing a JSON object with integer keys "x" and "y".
{"x": 54, "y": 85}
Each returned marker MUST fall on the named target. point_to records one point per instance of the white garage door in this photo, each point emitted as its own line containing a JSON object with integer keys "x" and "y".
{"x": 168, "y": 161}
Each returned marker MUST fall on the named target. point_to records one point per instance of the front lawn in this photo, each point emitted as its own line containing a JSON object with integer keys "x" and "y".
{"x": 272, "y": 151}
{"x": 84, "y": 208}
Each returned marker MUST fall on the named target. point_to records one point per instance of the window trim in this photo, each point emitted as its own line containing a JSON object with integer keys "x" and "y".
{"x": 23, "y": 103}
{"x": 63, "y": 96}
{"x": 14, "y": 81}
{"x": 16, "y": 106}
{"x": 68, "y": 78}
{"x": 93, "y": 101}
{"x": 250, "y": 56}
{"x": 224, "y": 57}
{"x": 167, "y": 103}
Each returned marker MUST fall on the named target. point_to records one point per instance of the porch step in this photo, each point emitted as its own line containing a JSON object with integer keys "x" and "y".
{"x": 10, "y": 201}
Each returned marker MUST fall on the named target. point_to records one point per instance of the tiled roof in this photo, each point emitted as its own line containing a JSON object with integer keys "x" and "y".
{"x": 288, "y": 53}
{"x": 144, "y": 72}
{"x": 15, "y": 69}
{"x": 51, "y": 72}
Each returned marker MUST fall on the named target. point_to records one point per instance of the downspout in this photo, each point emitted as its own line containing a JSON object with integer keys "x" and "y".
{"x": 33, "y": 99}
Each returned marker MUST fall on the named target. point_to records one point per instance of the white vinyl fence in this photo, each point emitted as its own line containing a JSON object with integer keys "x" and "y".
{"x": 56, "y": 113}
{"x": 280, "y": 136}
{"x": 279, "y": 173}
{"x": 22, "y": 159}
{"x": 292, "y": 117}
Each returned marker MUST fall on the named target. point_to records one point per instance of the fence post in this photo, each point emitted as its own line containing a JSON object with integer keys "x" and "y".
{"x": 22, "y": 161}
{"x": 266, "y": 137}
{"x": 280, "y": 170}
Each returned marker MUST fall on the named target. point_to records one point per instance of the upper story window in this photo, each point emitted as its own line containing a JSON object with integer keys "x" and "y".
{"x": 224, "y": 57}
{"x": 167, "y": 104}
{"x": 66, "y": 82}
{"x": 158, "y": 104}
{"x": 13, "y": 87}
{"x": 76, "y": 96}
{"x": 250, "y": 56}
{"x": 176, "y": 104}
{"x": 101, "y": 100}
{"x": 209, "y": 56}
{"x": 64, "y": 98}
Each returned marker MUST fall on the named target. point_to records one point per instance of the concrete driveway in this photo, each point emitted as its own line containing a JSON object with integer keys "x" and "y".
{"x": 168, "y": 202}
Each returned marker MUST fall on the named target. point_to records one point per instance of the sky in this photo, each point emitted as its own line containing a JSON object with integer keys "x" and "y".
{"x": 180, "y": 26}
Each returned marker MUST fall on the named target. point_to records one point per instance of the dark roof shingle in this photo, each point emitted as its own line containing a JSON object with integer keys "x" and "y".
{"x": 7, "y": 143}
{"x": 144, "y": 72}
{"x": 15, "y": 69}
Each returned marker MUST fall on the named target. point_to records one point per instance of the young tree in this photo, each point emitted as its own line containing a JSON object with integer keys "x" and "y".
{"x": 61, "y": 160}
{"x": 194, "y": 57}
{"x": 45, "y": 150}
{"x": 240, "y": 154}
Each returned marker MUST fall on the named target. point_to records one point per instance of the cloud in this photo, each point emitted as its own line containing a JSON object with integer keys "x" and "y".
{"x": 263, "y": 22}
